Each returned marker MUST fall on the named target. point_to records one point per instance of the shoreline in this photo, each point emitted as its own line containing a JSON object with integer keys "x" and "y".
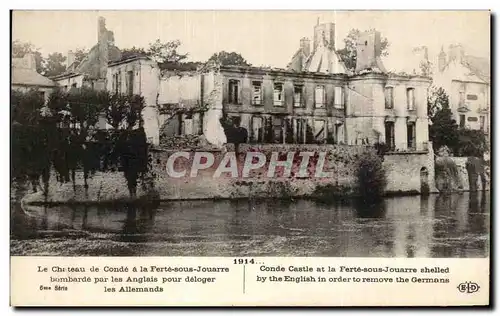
{"x": 147, "y": 202}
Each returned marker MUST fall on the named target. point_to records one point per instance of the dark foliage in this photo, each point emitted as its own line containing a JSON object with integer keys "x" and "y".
{"x": 437, "y": 99}
{"x": 26, "y": 106}
{"x": 229, "y": 59}
{"x": 476, "y": 168}
{"x": 471, "y": 143}
{"x": 371, "y": 177}
{"x": 447, "y": 175}
{"x": 54, "y": 65}
{"x": 64, "y": 137}
{"x": 133, "y": 52}
{"x": 444, "y": 129}
{"x": 382, "y": 148}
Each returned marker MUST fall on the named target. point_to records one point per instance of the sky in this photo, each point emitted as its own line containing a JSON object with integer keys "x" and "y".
{"x": 261, "y": 37}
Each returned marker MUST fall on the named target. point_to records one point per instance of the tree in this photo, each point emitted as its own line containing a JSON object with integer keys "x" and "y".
{"x": 54, "y": 65}
{"x": 26, "y": 106}
{"x": 437, "y": 99}
{"x": 348, "y": 54}
{"x": 426, "y": 68}
{"x": 165, "y": 52}
{"x": 229, "y": 59}
{"x": 29, "y": 139}
{"x": 133, "y": 52}
{"x": 80, "y": 54}
{"x": 123, "y": 110}
{"x": 19, "y": 49}
{"x": 371, "y": 177}
{"x": 471, "y": 143}
{"x": 444, "y": 129}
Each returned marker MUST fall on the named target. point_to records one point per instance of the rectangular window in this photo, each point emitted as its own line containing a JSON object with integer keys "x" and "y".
{"x": 188, "y": 125}
{"x": 116, "y": 83}
{"x": 234, "y": 92}
{"x": 257, "y": 129}
{"x": 482, "y": 122}
{"x": 462, "y": 120}
{"x": 461, "y": 98}
{"x": 180, "y": 124}
{"x": 339, "y": 134}
{"x": 472, "y": 97}
{"x": 410, "y": 97}
{"x": 119, "y": 76}
{"x": 319, "y": 97}
{"x": 319, "y": 131}
{"x": 277, "y": 124}
{"x": 73, "y": 85}
{"x": 130, "y": 82}
{"x": 256, "y": 93}
{"x": 299, "y": 130}
{"x": 339, "y": 98}
{"x": 278, "y": 94}
{"x": 200, "y": 123}
{"x": 410, "y": 133}
{"x": 297, "y": 96}
{"x": 389, "y": 135}
{"x": 389, "y": 97}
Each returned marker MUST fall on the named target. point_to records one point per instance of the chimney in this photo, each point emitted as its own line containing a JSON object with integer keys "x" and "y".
{"x": 305, "y": 46}
{"x": 368, "y": 50}
{"x": 441, "y": 60}
{"x": 101, "y": 29}
{"x": 103, "y": 51}
{"x": 70, "y": 59}
{"x": 326, "y": 32}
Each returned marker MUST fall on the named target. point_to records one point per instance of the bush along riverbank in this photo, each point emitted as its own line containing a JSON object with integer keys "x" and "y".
{"x": 457, "y": 174}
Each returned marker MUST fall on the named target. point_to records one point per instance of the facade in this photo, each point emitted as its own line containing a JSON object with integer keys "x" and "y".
{"x": 279, "y": 106}
{"x": 25, "y": 77}
{"x": 390, "y": 109}
{"x": 138, "y": 75}
{"x": 466, "y": 80}
{"x": 314, "y": 100}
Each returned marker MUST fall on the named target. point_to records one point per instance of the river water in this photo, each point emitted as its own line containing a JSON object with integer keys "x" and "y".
{"x": 438, "y": 226}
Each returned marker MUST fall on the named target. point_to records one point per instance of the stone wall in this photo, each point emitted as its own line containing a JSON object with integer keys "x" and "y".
{"x": 406, "y": 172}
{"x": 403, "y": 172}
{"x": 111, "y": 186}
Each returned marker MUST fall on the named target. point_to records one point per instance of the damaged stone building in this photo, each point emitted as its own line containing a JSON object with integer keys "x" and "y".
{"x": 92, "y": 70}
{"x": 315, "y": 100}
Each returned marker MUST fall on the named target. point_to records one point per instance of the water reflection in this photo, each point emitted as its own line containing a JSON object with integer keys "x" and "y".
{"x": 428, "y": 226}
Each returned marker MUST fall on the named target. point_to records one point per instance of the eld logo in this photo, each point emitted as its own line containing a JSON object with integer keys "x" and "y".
{"x": 468, "y": 287}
